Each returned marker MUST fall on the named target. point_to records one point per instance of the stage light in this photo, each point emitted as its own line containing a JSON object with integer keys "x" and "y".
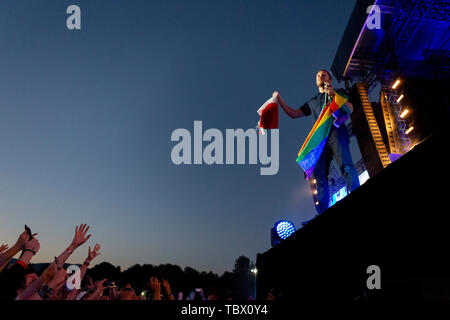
{"x": 254, "y": 270}
{"x": 315, "y": 191}
{"x": 363, "y": 177}
{"x": 400, "y": 98}
{"x": 317, "y": 203}
{"x": 409, "y": 130}
{"x": 396, "y": 84}
{"x": 314, "y": 181}
{"x": 284, "y": 229}
{"x": 281, "y": 230}
{"x": 404, "y": 113}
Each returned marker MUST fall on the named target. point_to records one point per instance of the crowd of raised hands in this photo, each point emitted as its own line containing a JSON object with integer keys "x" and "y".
{"x": 58, "y": 281}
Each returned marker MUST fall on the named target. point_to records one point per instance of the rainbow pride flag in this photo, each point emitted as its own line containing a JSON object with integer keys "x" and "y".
{"x": 315, "y": 142}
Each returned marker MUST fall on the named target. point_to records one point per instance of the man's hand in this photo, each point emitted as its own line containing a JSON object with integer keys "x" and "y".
{"x": 155, "y": 287}
{"x": 289, "y": 111}
{"x": 166, "y": 286}
{"x": 100, "y": 286}
{"x": 98, "y": 290}
{"x": 91, "y": 256}
{"x": 80, "y": 236}
{"x": 276, "y": 95}
{"x": 94, "y": 253}
{"x": 23, "y": 238}
{"x": 33, "y": 244}
{"x": 30, "y": 248}
{"x": 7, "y": 255}
{"x": 3, "y": 248}
{"x": 328, "y": 88}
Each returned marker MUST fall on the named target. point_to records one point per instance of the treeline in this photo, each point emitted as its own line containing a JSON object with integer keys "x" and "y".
{"x": 238, "y": 284}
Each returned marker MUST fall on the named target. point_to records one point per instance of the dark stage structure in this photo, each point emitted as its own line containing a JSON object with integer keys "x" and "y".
{"x": 398, "y": 76}
{"x": 397, "y": 220}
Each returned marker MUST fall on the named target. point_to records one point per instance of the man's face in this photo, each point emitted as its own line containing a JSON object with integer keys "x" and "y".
{"x": 28, "y": 279}
{"x": 322, "y": 76}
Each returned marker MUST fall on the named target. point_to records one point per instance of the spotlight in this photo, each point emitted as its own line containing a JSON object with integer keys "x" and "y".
{"x": 317, "y": 203}
{"x": 400, "y": 98}
{"x": 315, "y": 192}
{"x": 281, "y": 230}
{"x": 404, "y": 113}
{"x": 396, "y": 84}
{"x": 409, "y": 130}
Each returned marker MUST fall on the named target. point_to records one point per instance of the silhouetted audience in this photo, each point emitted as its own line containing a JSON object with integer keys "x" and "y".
{"x": 20, "y": 281}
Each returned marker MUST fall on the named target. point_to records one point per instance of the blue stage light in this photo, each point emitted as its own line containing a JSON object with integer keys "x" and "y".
{"x": 281, "y": 230}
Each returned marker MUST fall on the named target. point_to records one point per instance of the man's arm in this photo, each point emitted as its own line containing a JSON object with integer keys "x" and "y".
{"x": 51, "y": 277}
{"x": 79, "y": 238}
{"x": 291, "y": 112}
{"x": 6, "y": 256}
{"x": 30, "y": 248}
{"x": 10, "y": 278}
{"x": 30, "y": 293}
{"x": 91, "y": 256}
{"x": 56, "y": 266}
{"x": 3, "y": 248}
{"x": 98, "y": 291}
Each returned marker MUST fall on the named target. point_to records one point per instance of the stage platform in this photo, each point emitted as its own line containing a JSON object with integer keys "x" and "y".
{"x": 398, "y": 220}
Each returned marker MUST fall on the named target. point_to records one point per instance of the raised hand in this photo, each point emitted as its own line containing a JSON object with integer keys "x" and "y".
{"x": 22, "y": 239}
{"x": 80, "y": 235}
{"x": 166, "y": 286}
{"x": 94, "y": 253}
{"x": 100, "y": 286}
{"x": 7, "y": 255}
{"x": 276, "y": 95}
{"x": 329, "y": 89}
{"x": 32, "y": 245}
{"x": 155, "y": 287}
{"x": 98, "y": 290}
{"x": 3, "y": 248}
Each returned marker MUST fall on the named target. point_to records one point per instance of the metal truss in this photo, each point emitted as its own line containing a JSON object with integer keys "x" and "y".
{"x": 407, "y": 16}
{"x": 431, "y": 9}
{"x": 392, "y": 97}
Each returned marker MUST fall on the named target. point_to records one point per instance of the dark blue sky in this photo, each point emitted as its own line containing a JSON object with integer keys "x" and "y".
{"x": 86, "y": 118}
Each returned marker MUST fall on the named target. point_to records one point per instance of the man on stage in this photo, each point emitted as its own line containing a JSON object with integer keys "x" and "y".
{"x": 337, "y": 142}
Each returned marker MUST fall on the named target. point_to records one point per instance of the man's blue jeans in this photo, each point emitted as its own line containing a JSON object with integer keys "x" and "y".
{"x": 337, "y": 146}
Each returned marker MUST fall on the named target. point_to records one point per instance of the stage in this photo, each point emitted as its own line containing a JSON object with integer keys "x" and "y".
{"x": 398, "y": 220}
